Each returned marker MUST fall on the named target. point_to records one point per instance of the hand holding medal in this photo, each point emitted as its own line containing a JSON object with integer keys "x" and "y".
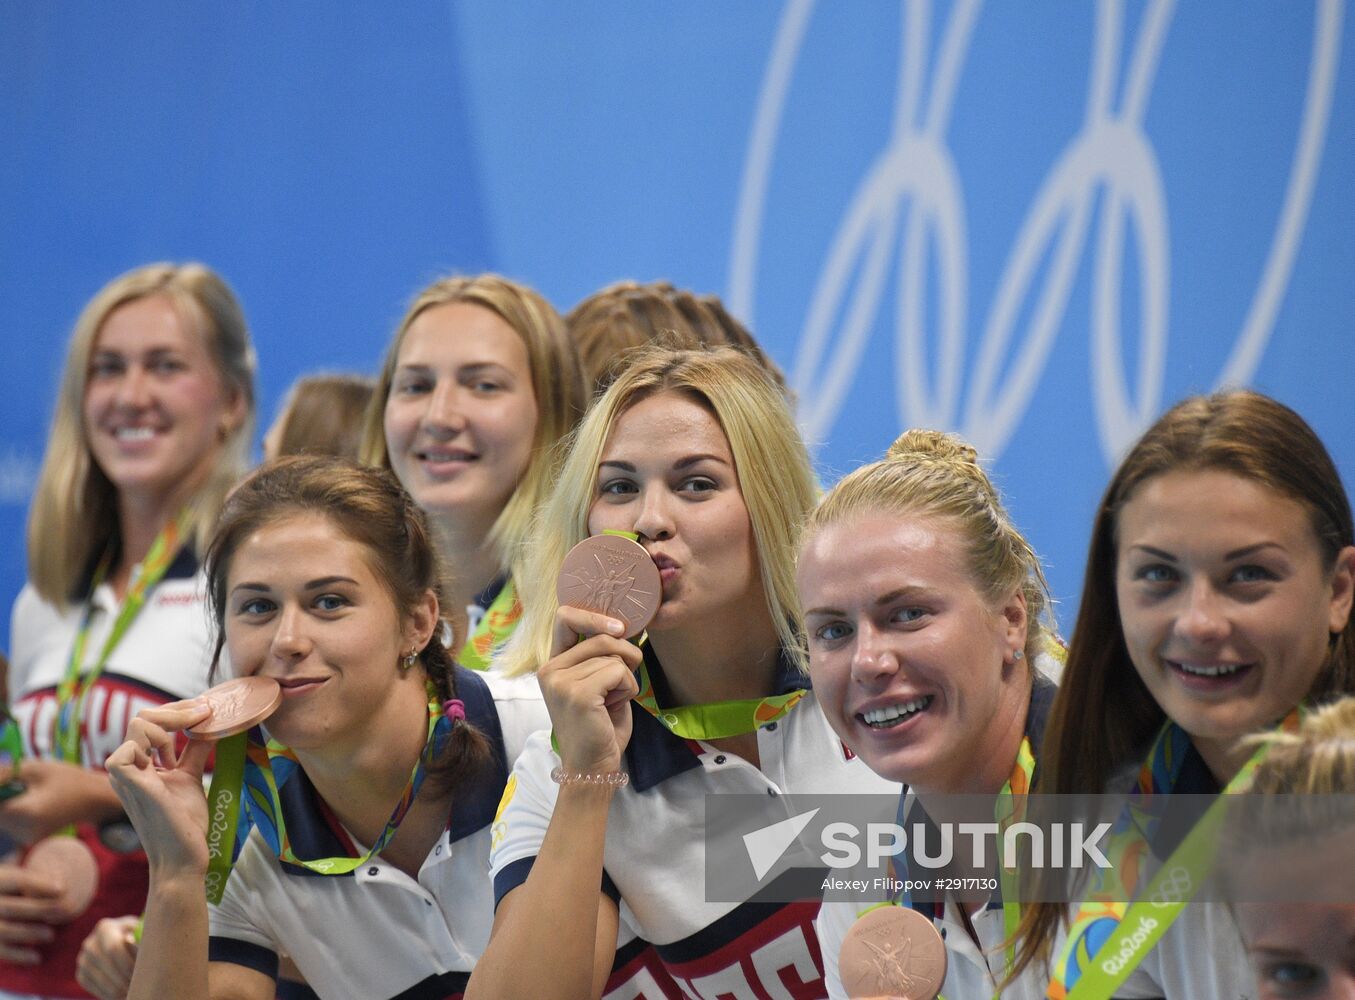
{"x": 609, "y": 590}
{"x": 161, "y": 790}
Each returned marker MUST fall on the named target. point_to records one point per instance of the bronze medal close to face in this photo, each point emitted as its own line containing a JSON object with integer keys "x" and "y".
{"x": 70, "y": 863}
{"x": 613, "y": 576}
{"x": 237, "y": 705}
{"x": 893, "y": 952}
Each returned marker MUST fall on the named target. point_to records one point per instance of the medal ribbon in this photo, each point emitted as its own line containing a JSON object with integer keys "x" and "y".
{"x": 1005, "y": 812}
{"x": 244, "y": 774}
{"x": 1080, "y": 973}
{"x": 493, "y": 630}
{"x": 75, "y": 686}
{"x": 717, "y": 719}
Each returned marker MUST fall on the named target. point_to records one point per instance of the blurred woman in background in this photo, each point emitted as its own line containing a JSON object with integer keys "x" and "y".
{"x": 152, "y": 428}
{"x": 479, "y": 384}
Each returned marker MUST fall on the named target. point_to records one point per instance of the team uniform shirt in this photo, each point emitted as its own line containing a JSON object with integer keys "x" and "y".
{"x": 164, "y": 656}
{"x": 972, "y": 970}
{"x": 671, "y": 942}
{"x": 377, "y": 932}
{"x": 1201, "y": 954}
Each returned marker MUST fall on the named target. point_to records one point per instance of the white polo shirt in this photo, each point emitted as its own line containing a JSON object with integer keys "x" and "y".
{"x": 972, "y": 970}
{"x": 164, "y": 656}
{"x": 378, "y": 932}
{"x": 654, "y": 860}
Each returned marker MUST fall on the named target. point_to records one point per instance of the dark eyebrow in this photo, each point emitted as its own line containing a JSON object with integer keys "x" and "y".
{"x": 1156, "y": 553}
{"x": 475, "y": 367}
{"x": 329, "y": 581}
{"x": 1247, "y": 550}
{"x": 324, "y": 581}
{"x": 880, "y": 601}
{"x": 694, "y": 459}
{"x": 623, "y": 466}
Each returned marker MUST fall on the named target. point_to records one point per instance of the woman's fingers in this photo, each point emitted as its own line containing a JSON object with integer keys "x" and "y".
{"x": 573, "y": 623}
{"x": 107, "y": 958}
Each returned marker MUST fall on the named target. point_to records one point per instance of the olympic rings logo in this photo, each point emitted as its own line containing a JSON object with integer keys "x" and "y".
{"x": 1176, "y": 889}
{"x": 916, "y": 170}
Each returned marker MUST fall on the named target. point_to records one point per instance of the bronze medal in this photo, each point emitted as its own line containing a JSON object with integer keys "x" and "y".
{"x": 71, "y": 864}
{"x": 236, "y": 706}
{"x": 613, "y": 576}
{"x": 893, "y": 952}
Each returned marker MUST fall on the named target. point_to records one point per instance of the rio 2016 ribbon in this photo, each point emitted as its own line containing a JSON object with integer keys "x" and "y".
{"x": 1124, "y": 933}
{"x": 75, "y": 686}
{"x": 243, "y": 777}
{"x": 493, "y": 630}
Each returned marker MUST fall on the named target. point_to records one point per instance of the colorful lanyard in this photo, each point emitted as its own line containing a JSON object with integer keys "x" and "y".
{"x": 493, "y": 630}
{"x": 243, "y": 772}
{"x": 1005, "y": 812}
{"x": 715, "y": 720}
{"x": 1129, "y": 931}
{"x": 75, "y": 686}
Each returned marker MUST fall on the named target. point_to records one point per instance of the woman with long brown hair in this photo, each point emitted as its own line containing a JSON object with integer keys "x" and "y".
{"x": 1217, "y": 601}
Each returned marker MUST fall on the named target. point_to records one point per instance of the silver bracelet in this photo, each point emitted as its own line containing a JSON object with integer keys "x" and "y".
{"x": 616, "y": 779}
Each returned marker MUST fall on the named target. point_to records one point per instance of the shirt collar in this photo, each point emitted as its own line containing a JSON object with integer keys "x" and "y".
{"x": 654, "y": 753}
{"x": 313, "y": 832}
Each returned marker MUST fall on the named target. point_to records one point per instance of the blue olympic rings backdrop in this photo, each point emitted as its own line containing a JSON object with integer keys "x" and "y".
{"x": 1037, "y": 224}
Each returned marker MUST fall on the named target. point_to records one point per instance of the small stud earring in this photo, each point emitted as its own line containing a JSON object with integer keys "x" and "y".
{"x": 1018, "y": 656}
{"x": 408, "y": 660}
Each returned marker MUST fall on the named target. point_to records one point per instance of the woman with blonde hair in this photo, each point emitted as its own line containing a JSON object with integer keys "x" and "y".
{"x": 1288, "y": 857}
{"x": 152, "y": 428}
{"x": 479, "y": 384}
{"x": 927, "y": 626}
{"x": 1217, "y": 601}
{"x": 602, "y": 847}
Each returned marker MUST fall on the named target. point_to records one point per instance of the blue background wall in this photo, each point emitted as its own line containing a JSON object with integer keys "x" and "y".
{"x": 1037, "y": 224}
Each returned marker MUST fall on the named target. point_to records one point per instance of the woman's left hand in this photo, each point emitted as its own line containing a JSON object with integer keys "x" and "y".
{"x": 56, "y": 795}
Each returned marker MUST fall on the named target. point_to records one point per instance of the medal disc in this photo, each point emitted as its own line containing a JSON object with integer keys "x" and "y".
{"x": 71, "y": 864}
{"x": 893, "y": 952}
{"x": 612, "y": 576}
{"x": 236, "y": 706}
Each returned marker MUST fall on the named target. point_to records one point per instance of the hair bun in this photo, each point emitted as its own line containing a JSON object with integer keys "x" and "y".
{"x": 932, "y": 444}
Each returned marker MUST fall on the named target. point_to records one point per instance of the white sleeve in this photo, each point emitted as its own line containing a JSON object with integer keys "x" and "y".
{"x": 524, "y": 815}
{"x": 233, "y": 924}
{"x": 522, "y": 710}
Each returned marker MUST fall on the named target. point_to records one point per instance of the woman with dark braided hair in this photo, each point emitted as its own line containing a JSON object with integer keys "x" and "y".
{"x": 323, "y": 576}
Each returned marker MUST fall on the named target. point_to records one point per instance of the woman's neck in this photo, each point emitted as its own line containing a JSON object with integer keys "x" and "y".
{"x": 472, "y": 562}
{"x": 140, "y": 520}
{"x": 1223, "y": 757}
{"x": 362, "y": 777}
{"x": 734, "y": 658}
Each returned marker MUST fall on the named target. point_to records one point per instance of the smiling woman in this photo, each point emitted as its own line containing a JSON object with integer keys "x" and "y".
{"x": 1217, "y": 601}
{"x": 379, "y": 775}
{"x": 479, "y": 384}
{"x": 925, "y": 614}
{"x": 151, "y": 429}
